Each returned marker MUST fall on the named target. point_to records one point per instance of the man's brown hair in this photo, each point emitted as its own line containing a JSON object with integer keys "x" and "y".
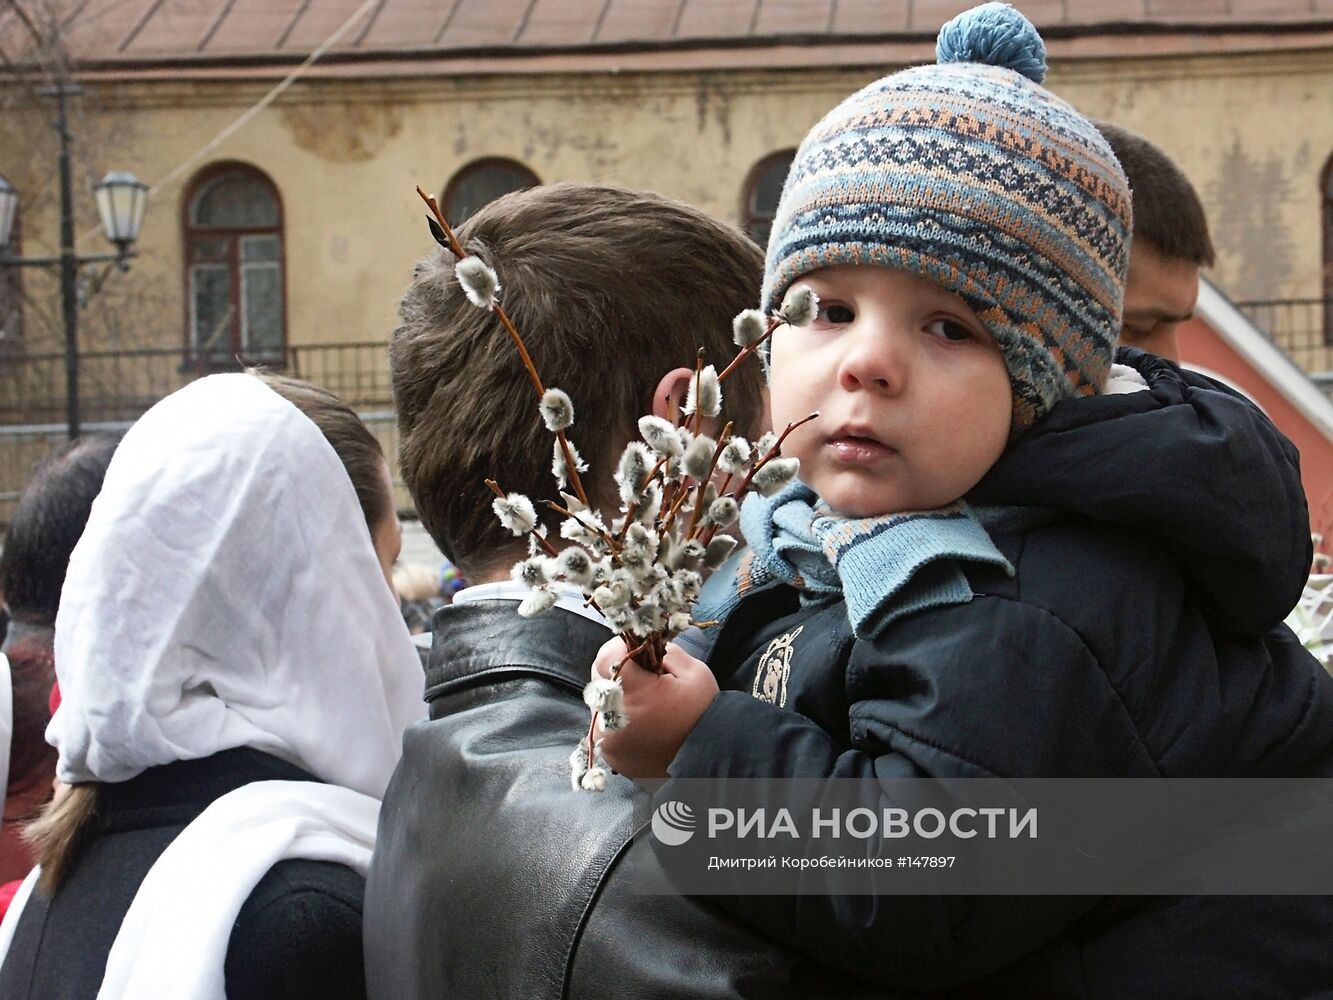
{"x": 611, "y": 289}
{"x": 1167, "y": 211}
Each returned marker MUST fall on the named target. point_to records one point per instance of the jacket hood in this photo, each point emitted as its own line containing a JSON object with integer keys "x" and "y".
{"x": 1189, "y": 462}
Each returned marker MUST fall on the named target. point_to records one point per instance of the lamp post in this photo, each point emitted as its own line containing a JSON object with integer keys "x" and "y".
{"x": 120, "y": 201}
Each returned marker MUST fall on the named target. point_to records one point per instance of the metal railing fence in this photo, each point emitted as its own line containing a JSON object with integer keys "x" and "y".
{"x": 1301, "y": 327}
{"x": 116, "y": 387}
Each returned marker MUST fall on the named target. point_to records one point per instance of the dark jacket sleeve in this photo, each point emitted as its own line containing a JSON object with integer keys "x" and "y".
{"x": 299, "y": 935}
{"x": 995, "y": 687}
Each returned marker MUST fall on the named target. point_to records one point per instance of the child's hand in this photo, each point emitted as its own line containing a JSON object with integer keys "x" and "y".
{"x": 662, "y": 708}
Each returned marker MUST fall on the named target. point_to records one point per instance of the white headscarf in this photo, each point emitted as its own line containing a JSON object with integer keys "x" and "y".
{"x": 226, "y": 593}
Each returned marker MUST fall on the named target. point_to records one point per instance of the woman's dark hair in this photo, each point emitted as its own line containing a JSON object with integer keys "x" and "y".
{"x": 361, "y": 454}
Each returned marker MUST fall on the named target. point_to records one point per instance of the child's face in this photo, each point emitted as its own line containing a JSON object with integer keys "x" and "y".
{"x": 912, "y": 392}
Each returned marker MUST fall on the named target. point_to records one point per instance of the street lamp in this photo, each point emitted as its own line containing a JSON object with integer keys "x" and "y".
{"x": 120, "y": 197}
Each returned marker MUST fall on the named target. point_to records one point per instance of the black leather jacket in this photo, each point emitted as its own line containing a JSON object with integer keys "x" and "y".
{"x": 493, "y": 878}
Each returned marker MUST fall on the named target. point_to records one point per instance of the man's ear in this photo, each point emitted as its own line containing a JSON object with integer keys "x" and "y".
{"x": 669, "y": 396}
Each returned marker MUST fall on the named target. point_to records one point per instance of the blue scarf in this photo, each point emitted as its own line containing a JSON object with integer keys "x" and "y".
{"x": 883, "y": 567}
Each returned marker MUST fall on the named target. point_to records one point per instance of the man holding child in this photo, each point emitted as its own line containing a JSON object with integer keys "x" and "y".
{"x": 1005, "y": 557}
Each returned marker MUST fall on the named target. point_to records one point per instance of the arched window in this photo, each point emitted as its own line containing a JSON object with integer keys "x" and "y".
{"x": 763, "y": 188}
{"x": 1326, "y": 189}
{"x": 235, "y": 295}
{"x": 482, "y": 182}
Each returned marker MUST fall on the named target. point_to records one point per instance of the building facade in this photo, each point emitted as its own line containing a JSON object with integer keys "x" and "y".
{"x": 298, "y": 228}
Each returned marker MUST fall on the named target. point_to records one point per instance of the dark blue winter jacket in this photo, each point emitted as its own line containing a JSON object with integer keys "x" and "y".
{"x": 1159, "y": 539}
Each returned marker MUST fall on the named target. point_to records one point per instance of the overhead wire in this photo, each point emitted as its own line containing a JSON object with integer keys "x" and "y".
{"x": 254, "y": 110}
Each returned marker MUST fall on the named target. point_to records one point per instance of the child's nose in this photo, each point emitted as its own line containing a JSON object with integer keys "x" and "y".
{"x": 875, "y": 360}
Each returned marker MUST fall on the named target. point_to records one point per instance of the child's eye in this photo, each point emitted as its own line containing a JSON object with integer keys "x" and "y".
{"x": 835, "y": 313}
{"x": 950, "y": 329}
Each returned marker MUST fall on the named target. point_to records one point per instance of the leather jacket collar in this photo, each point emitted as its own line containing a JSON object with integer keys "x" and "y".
{"x": 484, "y": 642}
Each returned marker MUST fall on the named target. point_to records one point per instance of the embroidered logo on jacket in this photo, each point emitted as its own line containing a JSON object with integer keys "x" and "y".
{"x": 770, "y": 677}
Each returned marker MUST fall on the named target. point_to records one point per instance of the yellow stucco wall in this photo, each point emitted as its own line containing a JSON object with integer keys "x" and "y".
{"x": 1253, "y": 132}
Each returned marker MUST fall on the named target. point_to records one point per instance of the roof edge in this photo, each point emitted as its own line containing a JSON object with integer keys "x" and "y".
{"x": 1283, "y": 32}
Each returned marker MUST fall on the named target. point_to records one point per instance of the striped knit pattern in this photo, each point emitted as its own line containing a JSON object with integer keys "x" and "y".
{"x": 981, "y": 180}
{"x": 883, "y": 567}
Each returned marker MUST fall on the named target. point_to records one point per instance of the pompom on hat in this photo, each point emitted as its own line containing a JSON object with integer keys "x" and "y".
{"x": 969, "y": 173}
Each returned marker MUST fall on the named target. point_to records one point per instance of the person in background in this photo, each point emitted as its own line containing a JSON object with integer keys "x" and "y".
{"x": 48, "y": 520}
{"x": 235, "y": 679}
{"x": 418, "y": 589}
{"x": 451, "y": 580}
{"x": 1171, "y": 244}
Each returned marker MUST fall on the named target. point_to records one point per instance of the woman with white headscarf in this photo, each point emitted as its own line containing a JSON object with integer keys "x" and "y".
{"x": 235, "y": 679}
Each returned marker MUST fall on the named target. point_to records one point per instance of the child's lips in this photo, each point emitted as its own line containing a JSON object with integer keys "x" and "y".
{"x": 857, "y": 450}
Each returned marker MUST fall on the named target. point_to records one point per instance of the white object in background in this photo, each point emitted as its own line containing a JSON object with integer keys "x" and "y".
{"x": 1312, "y": 618}
{"x": 15, "y": 911}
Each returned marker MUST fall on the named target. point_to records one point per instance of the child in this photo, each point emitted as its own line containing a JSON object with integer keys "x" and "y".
{"x": 967, "y": 234}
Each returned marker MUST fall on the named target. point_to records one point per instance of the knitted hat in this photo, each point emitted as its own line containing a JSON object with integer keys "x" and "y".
{"x": 969, "y": 173}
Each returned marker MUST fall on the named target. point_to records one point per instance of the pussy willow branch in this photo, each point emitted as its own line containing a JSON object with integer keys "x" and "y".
{"x": 456, "y": 249}
{"x": 749, "y": 349}
{"x": 679, "y": 502}
{"x": 769, "y": 455}
{"x": 643, "y": 647}
{"x": 703, "y": 483}
{"x": 605, "y": 536}
{"x": 592, "y": 751}
{"x": 633, "y": 508}
{"x": 697, "y": 418}
{"x": 541, "y": 540}
{"x": 772, "y": 453}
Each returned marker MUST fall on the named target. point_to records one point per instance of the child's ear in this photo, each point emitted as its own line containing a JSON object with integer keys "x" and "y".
{"x": 670, "y": 394}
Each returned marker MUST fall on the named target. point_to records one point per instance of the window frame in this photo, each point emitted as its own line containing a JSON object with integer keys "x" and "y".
{"x": 450, "y": 191}
{"x": 751, "y": 186}
{"x": 11, "y": 288}
{"x": 194, "y": 357}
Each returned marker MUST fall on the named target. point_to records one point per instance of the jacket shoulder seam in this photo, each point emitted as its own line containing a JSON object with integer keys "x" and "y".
{"x": 303, "y": 894}
{"x": 576, "y": 939}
